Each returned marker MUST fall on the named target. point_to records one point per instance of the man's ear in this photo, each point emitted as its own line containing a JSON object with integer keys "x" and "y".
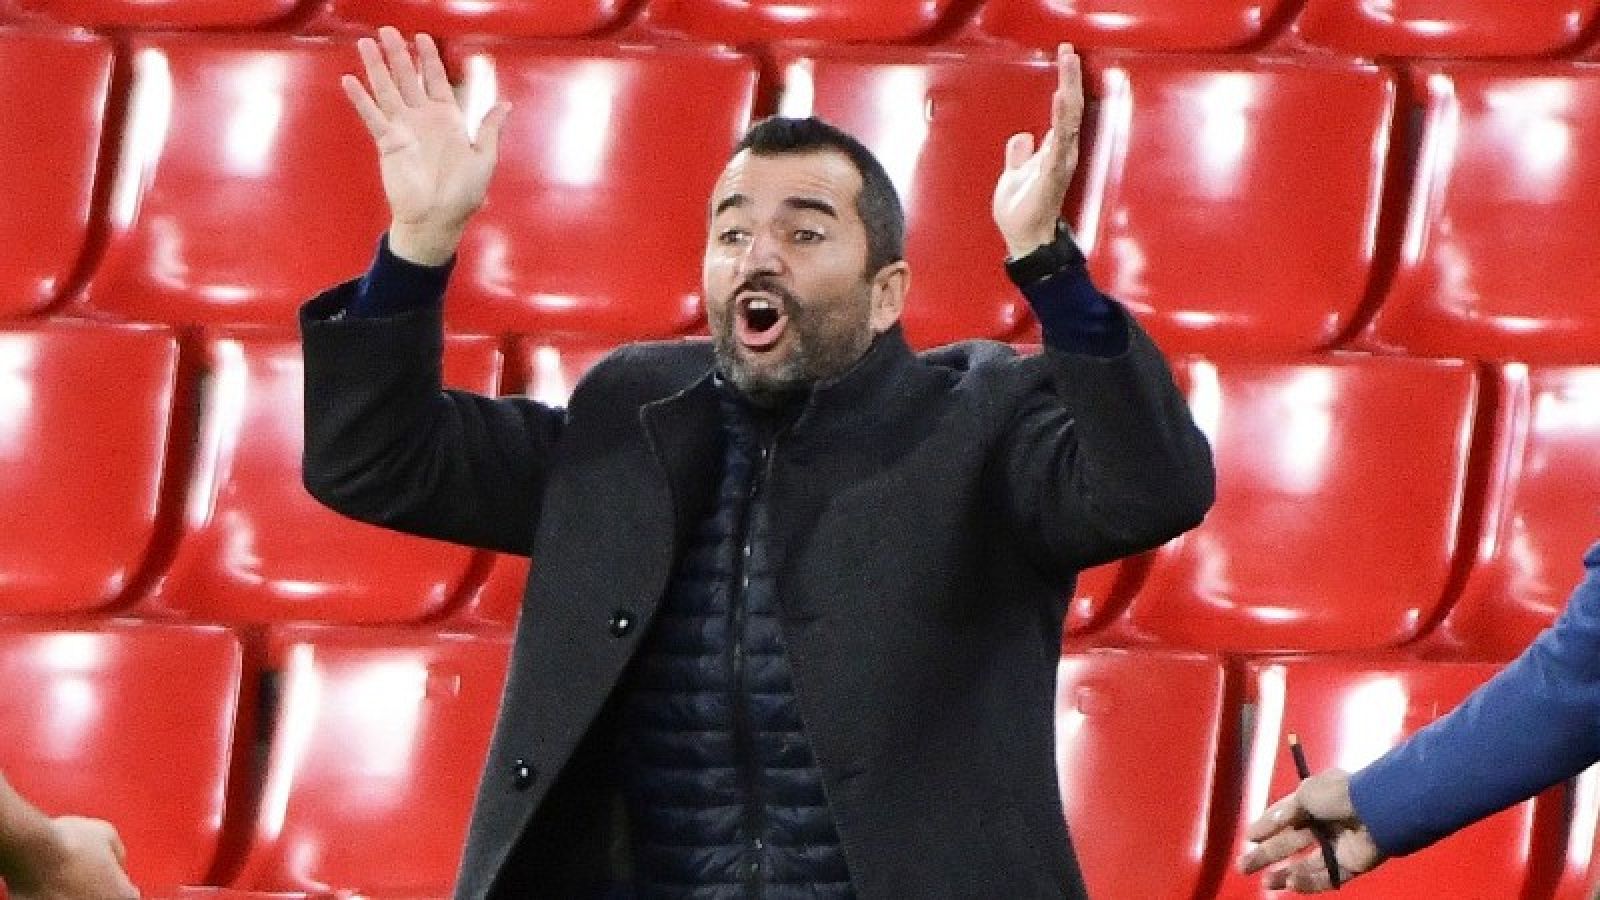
{"x": 889, "y": 288}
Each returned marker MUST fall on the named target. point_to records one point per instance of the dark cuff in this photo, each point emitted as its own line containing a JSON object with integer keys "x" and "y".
{"x": 394, "y": 285}
{"x": 1074, "y": 316}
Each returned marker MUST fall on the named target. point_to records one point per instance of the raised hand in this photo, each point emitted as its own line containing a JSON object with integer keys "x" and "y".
{"x": 1029, "y": 194}
{"x": 435, "y": 173}
{"x": 1285, "y": 830}
{"x": 81, "y": 859}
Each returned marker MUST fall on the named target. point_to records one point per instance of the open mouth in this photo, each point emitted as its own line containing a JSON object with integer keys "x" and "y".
{"x": 761, "y": 321}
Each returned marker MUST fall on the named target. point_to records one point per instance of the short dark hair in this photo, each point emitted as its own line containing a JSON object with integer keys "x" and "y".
{"x": 878, "y": 204}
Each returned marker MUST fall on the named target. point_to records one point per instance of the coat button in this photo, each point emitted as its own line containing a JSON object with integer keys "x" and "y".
{"x": 523, "y": 775}
{"x": 621, "y": 623}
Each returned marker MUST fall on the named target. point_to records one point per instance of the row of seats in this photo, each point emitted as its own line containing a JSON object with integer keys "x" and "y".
{"x": 375, "y": 738}
{"x": 1482, "y": 28}
{"x": 1364, "y": 501}
{"x": 1274, "y": 205}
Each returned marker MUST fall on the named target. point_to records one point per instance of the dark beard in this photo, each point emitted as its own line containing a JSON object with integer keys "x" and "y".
{"x": 817, "y": 355}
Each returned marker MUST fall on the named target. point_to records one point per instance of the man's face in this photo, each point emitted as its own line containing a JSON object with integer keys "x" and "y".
{"x": 787, "y": 291}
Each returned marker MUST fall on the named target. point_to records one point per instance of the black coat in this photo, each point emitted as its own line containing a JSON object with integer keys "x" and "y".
{"x": 929, "y": 515}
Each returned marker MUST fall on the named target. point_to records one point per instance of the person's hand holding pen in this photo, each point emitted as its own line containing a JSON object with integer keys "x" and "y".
{"x": 1321, "y": 802}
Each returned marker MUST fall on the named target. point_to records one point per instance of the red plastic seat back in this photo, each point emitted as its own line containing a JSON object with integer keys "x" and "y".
{"x": 1340, "y": 490}
{"x": 1498, "y": 260}
{"x": 842, "y": 21}
{"x": 85, "y": 416}
{"x": 1543, "y": 511}
{"x": 1164, "y": 25}
{"x": 1122, "y": 719}
{"x": 163, "y": 13}
{"x": 256, "y": 547}
{"x": 245, "y": 182}
{"x": 1197, "y": 191}
{"x": 1460, "y": 28}
{"x": 53, "y": 90}
{"x": 134, "y": 724}
{"x": 506, "y": 18}
{"x": 595, "y": 223}
{"x": 378, "y": 743}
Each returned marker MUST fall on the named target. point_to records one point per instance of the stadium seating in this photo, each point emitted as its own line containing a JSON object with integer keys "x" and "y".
{"x": 1220, "y": 210}
{"x": 85, "y": 416}
{"x": 748, "y": 21}
{"x": 1542, "y": 512}
{"x": 1347, "y": 711}
{"x": 245, "y": 182}
{"x": 162, "y": 13}
{"x": 1498, "y": 258}
{"x": 931, "y": 118}
{"x": 1121, "y": 718}
{"x": 255, "y": 546}
{"x": 376, "y": 749}
{"x": 595, "y": 223}
{"x": 1459, "y": 28}
{"x": 133, "y": 723}
{"x": 1310, "y": 546}
{"x": 1166, "y": 25}
{"x": 505, "y": 18}
{"x": 53, "y": 91}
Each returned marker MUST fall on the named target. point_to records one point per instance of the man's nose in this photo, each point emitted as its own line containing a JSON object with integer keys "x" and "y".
{"x": 762, "y": 256}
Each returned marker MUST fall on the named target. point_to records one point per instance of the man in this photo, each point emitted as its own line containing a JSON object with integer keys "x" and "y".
{"x": 58, "y": 858}
{"x": 795, "y": 614}
{"x": 1534, "y": 724}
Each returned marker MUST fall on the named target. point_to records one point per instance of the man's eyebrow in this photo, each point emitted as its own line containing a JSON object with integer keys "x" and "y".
{"x": 729, "y": 202}
{"x": 812, "y": 203}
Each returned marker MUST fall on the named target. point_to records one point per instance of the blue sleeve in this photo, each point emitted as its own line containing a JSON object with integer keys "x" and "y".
{"x": 1534, "y": 724}
{"x": 1074, "y": 316}
{"x": 394, "y": 285}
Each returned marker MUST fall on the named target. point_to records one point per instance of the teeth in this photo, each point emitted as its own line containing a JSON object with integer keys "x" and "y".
{"x": 760, "y": 304}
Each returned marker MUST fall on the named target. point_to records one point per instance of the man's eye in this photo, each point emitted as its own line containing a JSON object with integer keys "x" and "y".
{"x": 731, "y": 236}
{"x": 807, "y": 235}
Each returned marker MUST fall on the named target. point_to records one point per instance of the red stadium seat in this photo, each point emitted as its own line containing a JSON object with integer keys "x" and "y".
{"x": 52, "y": 97}
{"x": 546, "y": 372}
{"x": 1199, "y": 190}
{"x": 596, "y": 221}
{"x": 163, "y": 13}
{"x": 1455, "y": 28}
{"x": 1347, "y": 713}
{"x": 245, "y": 184}
{"x": 1340, "y": 490}
{"x": 379, "y": 739}
{"x": 85, "y": 416}
{"x": 505, "y": 18}
{"x": 751, "y": 21}
{"x": 136, "y": 724}
{"x": 1580, "y": 876}
{"x": 932, "y": 120}
{"x": 1132, "y": 24}
{"x": 1140, "y": 739}
{"x": 1498, "y": 259}
{"x": 1543, "y": 512}
{"x": 241, "y": 560}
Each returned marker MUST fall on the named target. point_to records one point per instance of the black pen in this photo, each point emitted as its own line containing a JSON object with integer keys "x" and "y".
{"x": 1317, "y": 828}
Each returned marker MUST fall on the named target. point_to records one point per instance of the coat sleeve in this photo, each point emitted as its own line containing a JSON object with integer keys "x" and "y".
{"x": 386, "y": 443}
{"x": 1534, "y": 724}
{"x": 1103, "y": 459}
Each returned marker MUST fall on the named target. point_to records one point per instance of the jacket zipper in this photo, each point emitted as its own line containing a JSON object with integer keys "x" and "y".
{"x": 743, "y": 724}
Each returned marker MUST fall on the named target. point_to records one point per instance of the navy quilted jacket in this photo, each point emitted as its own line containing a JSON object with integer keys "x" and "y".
{"x": 722, "y": 788}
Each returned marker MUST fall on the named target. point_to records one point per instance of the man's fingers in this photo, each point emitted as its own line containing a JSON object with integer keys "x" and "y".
{"x": 1284, "y": 813}
{"x": 384, "y": 93}
{"x": 435, "y": 81}
{"x": 1277, "y": 848}
{"x": 374, "y": 118}
{"x": 1018, "y": 149}
{"x": 1066, "y": 114}
{"x": 401, "y": 67}
{"x": 494, "y": 120}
